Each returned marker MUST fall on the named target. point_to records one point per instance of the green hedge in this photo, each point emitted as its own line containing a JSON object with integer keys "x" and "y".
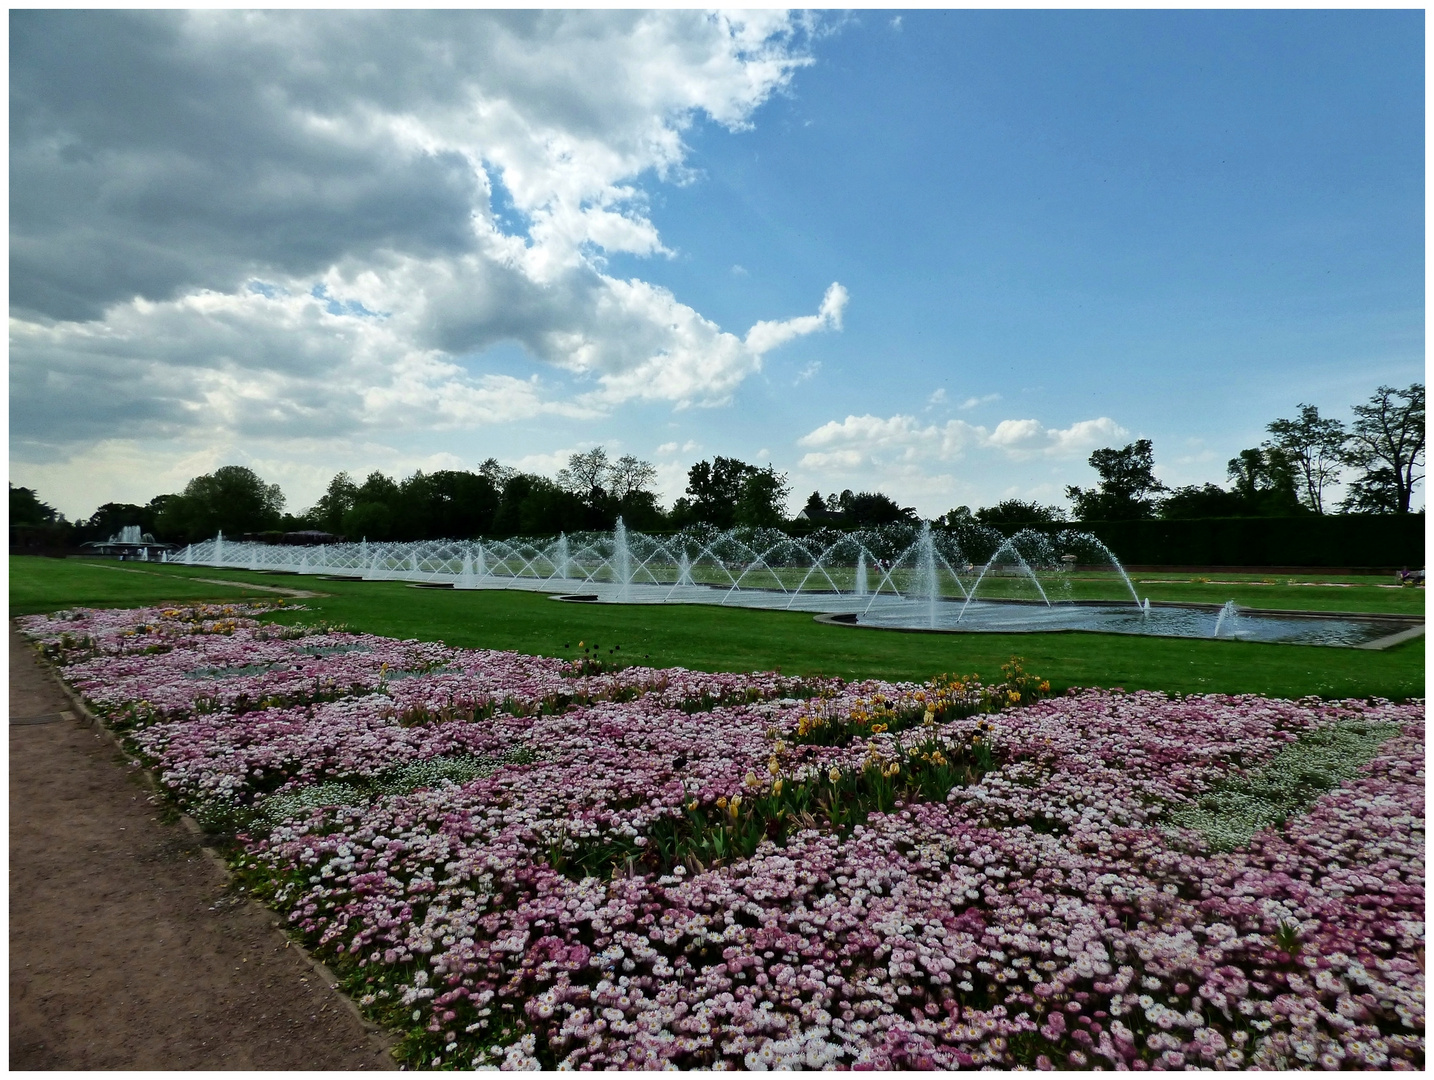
{"x": 1344, "y": 540}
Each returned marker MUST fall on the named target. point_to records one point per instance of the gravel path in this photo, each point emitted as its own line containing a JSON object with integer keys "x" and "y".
{"x": 127, "y": 949}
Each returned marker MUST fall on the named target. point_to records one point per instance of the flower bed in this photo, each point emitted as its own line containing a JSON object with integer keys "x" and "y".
{"x": 521, "y": 861}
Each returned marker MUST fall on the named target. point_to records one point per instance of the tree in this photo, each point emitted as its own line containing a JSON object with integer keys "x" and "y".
{"x": 1211, "y": 501}
{"x": 231, "y": 499}
{"x": 872, "y": 508}
{"x": 1386, "y": 442}
{"x": 1127, "y": 485}
{"x": 586, "y": 475}
{"x": 1265, "y": 480}
{"x": 27, "y": 509}
{"x": 628, "y": 477}
{"x": 715, "y": 488}
{"x": 814, "y": 506}
{"x": 1016, "y": 512}
{"x": 763, "y": 499}
{"x": 498, "y": 474}
{"x": 1376, "y": 492}
{"x": 328, "y": 513}
{"x": 1315, "y": 446}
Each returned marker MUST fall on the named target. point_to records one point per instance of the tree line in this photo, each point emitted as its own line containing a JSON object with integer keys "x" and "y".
{"x": 1291, "y": 473}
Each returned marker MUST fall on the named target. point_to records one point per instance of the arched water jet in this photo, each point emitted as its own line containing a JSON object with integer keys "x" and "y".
{"x": 1008, "y": 545}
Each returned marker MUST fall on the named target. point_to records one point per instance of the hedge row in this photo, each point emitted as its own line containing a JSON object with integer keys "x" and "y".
{"x": 1386, "y": 541}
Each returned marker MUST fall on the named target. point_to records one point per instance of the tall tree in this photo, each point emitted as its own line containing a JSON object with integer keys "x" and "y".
{"x": 328, "y": 513}
{"x": 27, "y": 509}
{"x": 1314, "y": 444}
{"x": 1386, "y": 442}
{"x": 587, "y": 475}
{"x": 628, "y": 476}
{"x": 715, "y": 488}
{"x": 763, "y": 499}
{"x": 1127, "y": 485}
{"x": 231, "y": 499}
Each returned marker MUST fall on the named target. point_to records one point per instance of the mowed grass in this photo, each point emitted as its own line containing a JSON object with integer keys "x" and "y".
{"x": 736, "y": 639}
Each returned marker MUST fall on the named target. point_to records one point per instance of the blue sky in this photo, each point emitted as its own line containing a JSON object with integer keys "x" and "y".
{"x": 1048, "y": 232}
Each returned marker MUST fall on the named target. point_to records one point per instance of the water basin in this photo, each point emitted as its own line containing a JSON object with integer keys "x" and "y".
{"x": 1164, "y": 620}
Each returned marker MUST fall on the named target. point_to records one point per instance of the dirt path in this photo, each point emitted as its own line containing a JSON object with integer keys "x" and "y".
{"x": 127, "y": 950}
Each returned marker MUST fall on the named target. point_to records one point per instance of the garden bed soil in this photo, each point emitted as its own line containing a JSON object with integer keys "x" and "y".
{"x": 128, "y": 949}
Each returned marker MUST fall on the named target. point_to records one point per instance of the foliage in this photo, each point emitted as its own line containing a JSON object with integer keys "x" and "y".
{"x": 1127, "y": 487}
{"x": 1208, "y": 501}
{"x": 232, "y": 499}
{"x": 1017, "y": 512}
{"x": 763, "y": 500}
{"x": 1264, "y": 480}
{"x": 1386, "y": 442}
{"x": 27, "y": 509}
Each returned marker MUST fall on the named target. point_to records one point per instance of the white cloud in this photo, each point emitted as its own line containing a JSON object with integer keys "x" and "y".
{"x": 463, "y": 174}
{"x": 938, "y": 397}
{"x": 766, "y": 336}
{"x": 870, "y": 441}
{"x": 973, "y": 402}
{"x": 807, "y": 372}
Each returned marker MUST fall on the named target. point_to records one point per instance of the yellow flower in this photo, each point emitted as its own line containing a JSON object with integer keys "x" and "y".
{"x": 721, "y": 802}
{"x": 751, "y": 780}
{"x": 877, "y": 729}
{"x": 692, "y": 805}
{"x": 772, "y": 766}
{"x": 833, "y": 774}
{"x": 734, "y": 806}
{"x": 777, "y": 786}
{"x": 929, "y": 718}
{"x": 895, "y": 769}
{"x": 580, "y": 644}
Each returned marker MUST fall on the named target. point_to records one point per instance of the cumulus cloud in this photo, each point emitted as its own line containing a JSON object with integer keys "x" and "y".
{"x": 289, "y": 224}
{"x": 765, "y": 336}
{"x": 871, "y": 441}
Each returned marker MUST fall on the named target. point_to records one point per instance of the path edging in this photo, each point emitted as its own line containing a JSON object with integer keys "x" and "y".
{"x": 83, "y": 714}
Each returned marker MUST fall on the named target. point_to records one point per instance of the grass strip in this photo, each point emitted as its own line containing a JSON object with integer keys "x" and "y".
{"x": 728, "y": 639}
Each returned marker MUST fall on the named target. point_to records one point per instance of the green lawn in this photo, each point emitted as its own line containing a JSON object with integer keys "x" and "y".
{"x": 736, "y": 639}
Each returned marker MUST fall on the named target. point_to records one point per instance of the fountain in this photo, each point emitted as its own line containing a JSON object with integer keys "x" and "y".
{"x": 564, "y": 558}
{"x": 897, "y": 576}
{"x": 1227, "y": 613}
{"x": 622, "y": 555}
